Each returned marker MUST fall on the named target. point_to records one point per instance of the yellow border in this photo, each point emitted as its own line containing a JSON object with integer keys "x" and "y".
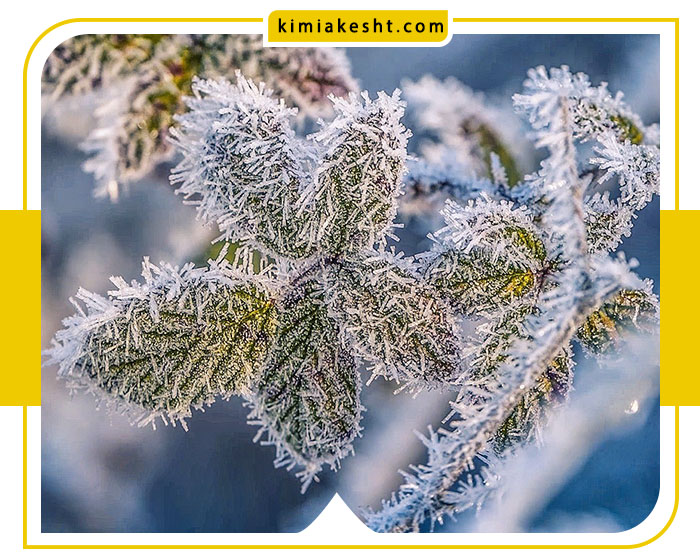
{"x": 399, "y": 546}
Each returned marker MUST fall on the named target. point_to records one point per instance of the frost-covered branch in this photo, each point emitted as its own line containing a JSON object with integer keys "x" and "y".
{"x": 522, "y": 357}
{"x": 606, "y": 403}
{"x": 427, "y": 490}
{"x": 626, "y": 149}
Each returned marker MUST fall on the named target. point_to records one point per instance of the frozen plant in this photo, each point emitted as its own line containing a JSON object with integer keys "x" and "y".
{"x": 527, "y": 263}
{"x": 142, "y": 81}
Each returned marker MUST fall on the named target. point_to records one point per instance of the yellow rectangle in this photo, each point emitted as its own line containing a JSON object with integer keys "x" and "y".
{"x": 20, "y": 320}
{"x": 357, "y": 26}
{"x": 680, "y": 307}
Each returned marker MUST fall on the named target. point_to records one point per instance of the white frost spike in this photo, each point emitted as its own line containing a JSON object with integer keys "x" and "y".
{"x": 500, "y": 176}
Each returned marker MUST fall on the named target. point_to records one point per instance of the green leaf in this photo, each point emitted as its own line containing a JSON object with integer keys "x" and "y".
{"x": 476, "y": 281}
{"x": 488, "y": 254}
{"x": 194, "y": 348}
{"x": 490, "y": 142}
{"x": 396, "y": 323}
{"x": 87, "y": 62}
{"x": 628, "y": 311}
{"x": 360, "y": 175}
{"x": 495, "y": 338}
{"x": 307, "y": 398}
{"x": 550, "y": 391}
{"x": 627, "y": 129}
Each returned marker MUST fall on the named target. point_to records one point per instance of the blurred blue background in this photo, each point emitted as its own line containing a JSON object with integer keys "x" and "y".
{"x": 99, "y": 474}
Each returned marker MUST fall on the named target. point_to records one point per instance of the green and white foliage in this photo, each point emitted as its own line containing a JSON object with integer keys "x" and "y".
{"x": 394, "y": 321}
{"x": 529, "y": 265}
{"x": 240, "y": 151}
{"x": 143, "y": 80}
{"x": 307, "y": 398}
{"x": 334, "y": 192}
{"x": 361, "y": 165}
{"x": 520, "y": 269}
{"x": 176, "y": 342}
{"x": 488, "y": 255}
{"x": 320, "y": 210}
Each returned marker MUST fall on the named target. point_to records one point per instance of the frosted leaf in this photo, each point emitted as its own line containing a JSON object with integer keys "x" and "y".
{"x": 628, "y": 311}
{"x": 247, "y": 170}
{"x": 244, "y": 167}
{"x": 87, "y": 62}
{"x": 488, "y": 254}
{"x": 359, "y": 175}
{"x": 173, "y": 343}
{"x": 132, "y": 134}
{"x": 550, "y": 391}
{"x": 393, "y": 321}
{"x": 307, "y": 398}
{"x": 490, "y": 351}
{"x": 490, "y": 345}
{"x": 146, "y": 77}
{"x": 497, "y": 226}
